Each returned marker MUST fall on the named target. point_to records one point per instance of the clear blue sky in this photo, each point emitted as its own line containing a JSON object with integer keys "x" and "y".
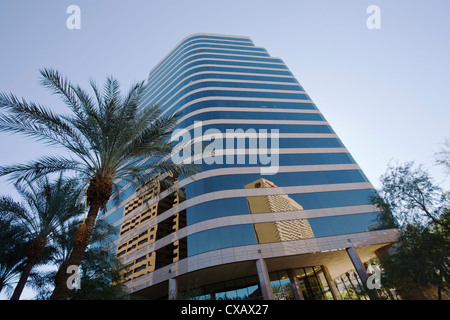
{"x": 385, "y": 92}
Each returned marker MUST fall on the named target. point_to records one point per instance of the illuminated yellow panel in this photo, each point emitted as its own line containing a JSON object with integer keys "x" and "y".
{"x": 279, "y": 230}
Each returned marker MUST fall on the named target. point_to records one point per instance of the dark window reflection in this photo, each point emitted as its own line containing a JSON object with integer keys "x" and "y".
{"x": 237, "y": 289}
{"x": 220, "y": 238}
{"x": 240, "y": 235}
{"x": 235, "y": 206}
{"x": 284, "y": 179}
{"x": 313, "y": 284}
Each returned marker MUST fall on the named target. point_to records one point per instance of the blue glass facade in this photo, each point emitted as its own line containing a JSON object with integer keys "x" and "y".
{"x": 228, "y": 83}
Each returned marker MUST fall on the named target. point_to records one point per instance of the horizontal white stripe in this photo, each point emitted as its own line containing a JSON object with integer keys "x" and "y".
{"x": 185, "y": 49}
{"x": 254, "y": 121}
{"x": 242, "y": 219}
{"x": 225, "y": 98}
{"x": 162, "y": 65}
{"x": 150, "y": 89}
{"x": 179, "y": 46}
{"x": 184, "y": 182}
{"x": 254, "y": 252}
{"x": 187, "y": 73}
{"x": 168, "y": 70}
{"x": 293, "y": 91}
{"x": 156, "y": 83}
{"x": 228, "y": 89}
{"x": 295, "y": 86}
{"x": 237, "y": 193}
{"x": 246, "y": 109}
{"x": 243, "y": 170}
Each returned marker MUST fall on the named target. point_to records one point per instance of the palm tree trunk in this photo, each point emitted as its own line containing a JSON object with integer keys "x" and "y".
{"x": 23, "y": 280}
{"x": 35, "y": 252}
{"x": 62, "y": 291}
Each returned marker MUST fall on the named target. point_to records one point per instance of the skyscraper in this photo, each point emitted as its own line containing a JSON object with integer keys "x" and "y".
{"x": 260, "y": 126}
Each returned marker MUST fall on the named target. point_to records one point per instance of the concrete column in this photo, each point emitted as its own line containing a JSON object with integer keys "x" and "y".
{"x": 264, "y": 280}
{"x": 333, "y": 288}
{"x": 294, "y": 285}
{"x": 173, "y": 288}
{"x": 357, "y": 263}
{"x": 361, "y": 271}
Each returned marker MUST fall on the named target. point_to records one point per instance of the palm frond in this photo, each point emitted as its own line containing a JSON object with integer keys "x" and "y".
{"x": 134, "y": 95}
{"x": 40, "y": 123}
{"x": 54, "y": 81}
{"x": 111, "y": 95}
{"x": 97, "y": 93}
{"x": 40, "y": 167}
{"x": 108, "y": 134}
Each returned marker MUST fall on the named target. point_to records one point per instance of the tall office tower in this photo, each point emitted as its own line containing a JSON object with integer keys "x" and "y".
{"x": 257, "y": 125}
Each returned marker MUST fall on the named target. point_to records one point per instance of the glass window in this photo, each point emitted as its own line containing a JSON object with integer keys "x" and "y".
{"x": 219, "y": 66}
{"x": 313, "y": 283}
{"x": 251, "y": 115}
{"x": 281, "y": 285}
{"x": 208, "y": 59}
{"x": 289, "y": 159}
{"x": 239, "y": 235}
{"x": 303, "y": 282}
{"x": 169, "y": 99}
{"x": 212, "y": 41}
{"x": 282, "y": 179}
{"x": 237, "y": 289}
{"x": 324, "y": 284}
{"x": 328, "y": 226}
{"x": 242, "y": 293}
{"x": 170, "y": 89}
{"x": 217, "y": 102}
{"x": 220, "y": 238}
{"x": 239, "y": 205}
{"x": 282, "y": 128}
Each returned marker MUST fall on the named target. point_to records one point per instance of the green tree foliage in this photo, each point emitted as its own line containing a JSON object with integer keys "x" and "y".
{"x": 46, "y": 206}
{"x": 412, "y": 202}
{"x": 409, "y": 195}
{"x": 13, "y": 246}
{"x": 109, "y": 137}
{"x": 101, "y": 276}
{"x": 443, "y": 156}
{"x": 100, "y": 272}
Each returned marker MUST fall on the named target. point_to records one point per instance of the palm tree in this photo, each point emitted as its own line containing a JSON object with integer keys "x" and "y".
{"x": 101, "y": 271}
{"x": 98, "y": 258}
{"x": 13, "y": 245}
{"x": 46, "y": 206}
{"x": 109, "y": 139}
